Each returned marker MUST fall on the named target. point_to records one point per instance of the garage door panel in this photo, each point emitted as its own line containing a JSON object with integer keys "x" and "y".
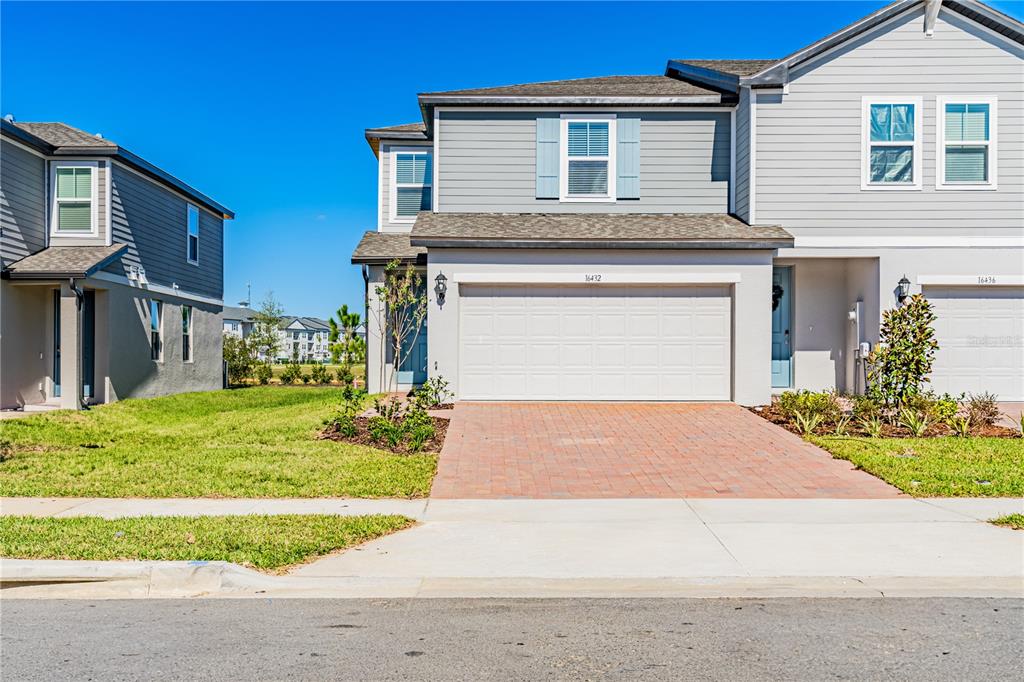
{"x": 980, "y": 331}
{"x": 595, "y": 343}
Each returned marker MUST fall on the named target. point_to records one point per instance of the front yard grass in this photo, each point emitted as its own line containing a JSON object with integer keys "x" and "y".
{"x": 1014, "y": 521}
{"x": 249, "y": 442}
{"x": 263, "y": 542}
{"x": 937, "y": 467}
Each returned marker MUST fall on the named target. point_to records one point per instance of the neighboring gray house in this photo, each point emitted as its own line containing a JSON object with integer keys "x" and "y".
{"x": 112, "y": 273}
{"x": 727, "y": 230}
{"x": 238, "y": 321}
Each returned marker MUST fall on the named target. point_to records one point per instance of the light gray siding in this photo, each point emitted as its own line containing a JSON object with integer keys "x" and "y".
{"x": 152, "y": 221}
{"x": 808, "y": 142}
{"x": 384, "y": 205}
{"x": 22, "y": 202}
{"x": 488, "y": 159}
{"x": 742, "y": 207}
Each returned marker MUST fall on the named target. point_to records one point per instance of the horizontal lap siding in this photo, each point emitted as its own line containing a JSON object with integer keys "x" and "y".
{"x": 809, "y": 141}
{"x": 488, "y": 164}
{"x": 152, "y": 221}
{"x": 742, "y": 208}
{"x": 22, "y": 203}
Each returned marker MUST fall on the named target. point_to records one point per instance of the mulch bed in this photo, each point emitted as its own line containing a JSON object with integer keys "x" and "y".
{"x": 362, "y": 437}
{"x": 773, "y": 414}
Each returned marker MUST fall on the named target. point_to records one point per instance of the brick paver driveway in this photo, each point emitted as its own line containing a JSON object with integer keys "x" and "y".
{"x": 616, "y": 450}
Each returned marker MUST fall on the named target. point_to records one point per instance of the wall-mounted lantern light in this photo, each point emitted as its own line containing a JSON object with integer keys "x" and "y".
{"x": 904, "y": 289}
{"x": 440, "y": 287}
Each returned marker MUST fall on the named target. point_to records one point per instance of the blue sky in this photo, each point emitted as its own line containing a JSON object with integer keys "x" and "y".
{"x": 263, "y": 105}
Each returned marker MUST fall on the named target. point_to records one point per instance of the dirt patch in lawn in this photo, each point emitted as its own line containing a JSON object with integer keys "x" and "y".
{"x": 774, "y": 414}
{"x": 362, "y": 437}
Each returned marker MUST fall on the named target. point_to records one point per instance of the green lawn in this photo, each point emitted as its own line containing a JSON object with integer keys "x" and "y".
{"x": 262, "y": 542}
{"x": 248, "y": 442}
{"x": 1014, "y": 521}
{"x": 938, "y": 467}
{"x": 358, "y": 370}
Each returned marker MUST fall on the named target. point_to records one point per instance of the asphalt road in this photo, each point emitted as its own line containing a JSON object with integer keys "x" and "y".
{"x": 664, "y": 639}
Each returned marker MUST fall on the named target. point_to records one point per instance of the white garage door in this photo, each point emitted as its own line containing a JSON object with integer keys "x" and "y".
{"x": 981, "y": 340}
{"x": 594, "y": 343}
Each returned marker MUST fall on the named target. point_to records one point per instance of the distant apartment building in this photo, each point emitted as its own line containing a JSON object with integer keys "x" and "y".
{"x": 238, "y": 321}
{"x": 306, "y": 339}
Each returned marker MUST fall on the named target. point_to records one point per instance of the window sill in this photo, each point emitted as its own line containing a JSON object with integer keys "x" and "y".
{"x": 967, "y": 187}
{"x": 890, "y": 188}
{"x": 587, "y": 200}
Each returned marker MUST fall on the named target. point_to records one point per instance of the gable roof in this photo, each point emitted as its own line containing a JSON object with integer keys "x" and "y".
{"x": 61, "y": 139}
{"x": 238, "y": 313}
{"x": 731, "y": 74}
{"x": 310, "y": 323}
{"x": 627, "y": 87}
{"x": 405, "y": 131}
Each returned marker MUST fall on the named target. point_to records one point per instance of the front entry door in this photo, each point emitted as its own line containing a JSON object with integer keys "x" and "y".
{"x": 88, "y": 344}
{"x": 782, "y": 339}
{"x": 56, "y": 344}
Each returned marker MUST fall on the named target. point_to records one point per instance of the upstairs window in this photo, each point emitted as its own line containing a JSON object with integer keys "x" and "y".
{"x": 892, "y": 149}
{"x": 156, "y": 344}
{"x": 192, "y": 238}
{"x": 186, "y": 333}
{"x": 413, "y": 184}
{"x": 74, "y": 196}
{"x": 966, "y": 158}
{"x": 588, "y": 159}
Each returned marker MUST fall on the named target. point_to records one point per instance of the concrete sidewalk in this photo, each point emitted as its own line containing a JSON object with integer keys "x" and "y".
{"x": 115, "y": 508}
{"x": 640, "y": 547}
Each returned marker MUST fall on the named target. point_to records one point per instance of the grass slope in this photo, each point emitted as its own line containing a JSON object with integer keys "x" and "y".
{"x": 938, "y": 467}
{"x": 262, "y": 542}
{"x": 252, "y": 442}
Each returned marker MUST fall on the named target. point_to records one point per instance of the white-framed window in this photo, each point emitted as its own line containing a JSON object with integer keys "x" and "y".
{"x": 192, "y": 234}
{"x": 891, "y": 143}
{"x": 966, "y": 154}
{"x": 156, "y": 329}
{"x": 587, "y": 158}
{"x": 186, "y": 333}
{"x": 74, "y": 188}
{"x": 411, "y": 182}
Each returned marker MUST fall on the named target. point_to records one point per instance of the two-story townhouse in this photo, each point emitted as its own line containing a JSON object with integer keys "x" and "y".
{"x": 112, "y": 273}
{"x": 306, "y": 339}
{"x": 724, "y": 231}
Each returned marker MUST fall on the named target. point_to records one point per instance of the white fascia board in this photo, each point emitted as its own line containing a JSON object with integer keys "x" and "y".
{"x": 916, "y": 242}
{"x": 980, "y": 280}
{"x": 595, "y": 277}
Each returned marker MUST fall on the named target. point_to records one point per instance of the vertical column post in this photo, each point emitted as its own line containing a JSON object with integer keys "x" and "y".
{"x": 70, "y": 348}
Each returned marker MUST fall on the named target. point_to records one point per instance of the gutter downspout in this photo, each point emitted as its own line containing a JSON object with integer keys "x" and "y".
{"x": 79, "y": 300}
{"x": 366, "y": 326}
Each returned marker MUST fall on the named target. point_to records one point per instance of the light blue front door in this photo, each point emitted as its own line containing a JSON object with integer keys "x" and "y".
{"x": 782, "y": 346}
{"x": 414, "y": 359}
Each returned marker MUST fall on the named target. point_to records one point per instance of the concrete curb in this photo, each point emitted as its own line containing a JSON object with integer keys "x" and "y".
{"x": 49, "y": 579}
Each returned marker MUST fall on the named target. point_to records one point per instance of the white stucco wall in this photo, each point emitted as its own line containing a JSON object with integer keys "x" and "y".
{"x": 751, "y": 371}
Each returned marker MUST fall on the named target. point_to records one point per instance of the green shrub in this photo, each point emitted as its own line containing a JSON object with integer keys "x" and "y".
{"x": 872, "y": 426}
{"x": 915, "y": 421}
{"x": 346, "y": 425}
{"x": 961, "y": 426}
{"x": 824, "y": 405}
{"x": 6, "y": 449}
{"x": 419, "y": 436}
{"x": 902, "y": 360}
{"x": 238, "y": 358}
{"x": 292, "y": 373}
{"x": 842, "y": 426}
{"x": 865, "y": 407}
{"x": 806, "y": 423}
{"x": 983, "y": 409}
{"x": 263, "y": 373}
{"x": 345, "y": 376}
{"x": 319, "y": 374}
{"x": 434, "y": 392}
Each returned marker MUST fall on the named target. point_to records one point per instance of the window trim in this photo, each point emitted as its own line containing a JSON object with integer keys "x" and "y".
{"x": 55, "y": 202}
{"x": 159, "y": 330}
{"x": 865, "y": 143}
{"x": 940, "y": 135}
{"x": 563, "y": 158}
{"x": 187, "y": 340}
{"x": 189, "y": 208}
{"x": 393, "y": 153}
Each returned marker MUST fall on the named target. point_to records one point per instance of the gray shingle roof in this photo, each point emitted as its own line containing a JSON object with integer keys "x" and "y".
{"x": 405, "y": 129}
{"x": 310, "y": 323}
{"x": 63, "y": 135}
{"x": 64, "y": 261}
{"x": 593, "y": 230}
{"x": 384, "y": 247}
{"x": 236, "y": 313}
{"x": 603, "y": 86}
{"x": 734, "y": 67}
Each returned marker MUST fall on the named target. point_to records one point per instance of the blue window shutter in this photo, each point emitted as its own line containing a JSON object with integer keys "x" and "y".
{"x": 547, "y": 158}
{"x": 627, "y": 184}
